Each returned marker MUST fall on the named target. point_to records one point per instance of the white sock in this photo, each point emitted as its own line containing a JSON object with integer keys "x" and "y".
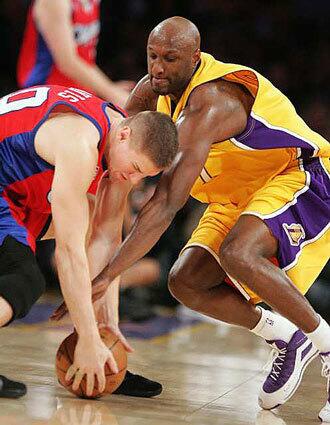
{"x": 321, "y": 336}
{"x": 272, "y": 326}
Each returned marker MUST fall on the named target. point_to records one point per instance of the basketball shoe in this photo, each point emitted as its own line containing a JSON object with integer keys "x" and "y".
{"x": 291, "y": 360}
{"x": 324, "y": 414}
{"x": 11, "y": 389}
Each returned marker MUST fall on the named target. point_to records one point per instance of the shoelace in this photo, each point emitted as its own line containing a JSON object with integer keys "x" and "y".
{"x": 326, "y": 373}
{"x": 276, "y": 359}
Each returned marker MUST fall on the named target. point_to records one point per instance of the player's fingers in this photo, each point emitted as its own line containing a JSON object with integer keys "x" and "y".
{"x": 59, "y": 312}
{"x": 101, "y": 380}
{"x": 70, "y": 373}
{"x": 77, "y": 379}
{"x": 112, "y": 363}
{"x": 90, "y": 379}
{"x": 97, "y": 296}
{"x": 125, "y": 343}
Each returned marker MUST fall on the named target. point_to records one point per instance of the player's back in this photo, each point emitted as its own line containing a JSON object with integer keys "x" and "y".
{"x": 24, "y": 175}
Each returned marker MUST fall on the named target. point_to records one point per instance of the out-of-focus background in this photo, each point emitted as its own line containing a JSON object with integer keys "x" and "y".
{"x": 287, "y": 41}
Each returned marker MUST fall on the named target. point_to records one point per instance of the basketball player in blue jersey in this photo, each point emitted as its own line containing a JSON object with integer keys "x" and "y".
{"x": 266, "y": 177}
{"x": 42, "y": 174}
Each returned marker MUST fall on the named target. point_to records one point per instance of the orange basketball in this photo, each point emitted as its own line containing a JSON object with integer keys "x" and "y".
{"x": 64, "y": 359}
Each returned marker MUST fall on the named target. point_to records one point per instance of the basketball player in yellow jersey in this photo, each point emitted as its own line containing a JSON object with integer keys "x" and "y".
{"x": 265, "y": 175}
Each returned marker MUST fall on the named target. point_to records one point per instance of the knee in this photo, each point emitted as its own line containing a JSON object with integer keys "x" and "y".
{"x": 233, "y": 254}
{"x": 181, "y": 284}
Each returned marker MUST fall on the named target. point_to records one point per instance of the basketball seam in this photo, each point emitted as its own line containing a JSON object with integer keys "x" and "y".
{"x": 113, "y": 345}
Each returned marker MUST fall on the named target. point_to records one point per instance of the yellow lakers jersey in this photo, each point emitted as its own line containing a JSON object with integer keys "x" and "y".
{"x": 275, "y": 137}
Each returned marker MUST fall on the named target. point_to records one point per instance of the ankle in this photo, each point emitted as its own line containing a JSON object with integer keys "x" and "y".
{"x": 321, "y": 336}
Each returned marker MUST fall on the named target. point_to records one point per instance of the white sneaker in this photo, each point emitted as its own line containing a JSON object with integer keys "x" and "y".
{"x": 324, "y": 414}
{"x": 287, "y": 369}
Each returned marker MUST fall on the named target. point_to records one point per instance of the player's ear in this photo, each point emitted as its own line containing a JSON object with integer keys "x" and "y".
{"x": 125, "y": 133}
{"x": 196, "y": 56}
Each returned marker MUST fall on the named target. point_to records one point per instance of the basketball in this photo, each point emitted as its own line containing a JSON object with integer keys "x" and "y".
{"x": 64, "y": 359}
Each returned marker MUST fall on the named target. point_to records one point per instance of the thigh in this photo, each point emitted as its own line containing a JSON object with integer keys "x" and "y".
{"x": 15, "y": 256}
{"x": 290, "y": 218}
{"x": 200, "y": 256}
{"x": 213, "y": 228}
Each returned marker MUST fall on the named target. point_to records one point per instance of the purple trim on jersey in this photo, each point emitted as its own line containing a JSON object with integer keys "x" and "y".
{"x": 19, "y": 159}
{"x": 78, "y": 111}
{"x": 258, "y": 136}
{"x": 311, "y": 211}
{"x": 42, "y": 67}
{"x": 9, "y": 226}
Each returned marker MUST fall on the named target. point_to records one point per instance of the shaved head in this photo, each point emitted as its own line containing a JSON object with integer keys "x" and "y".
{"x": 176, "y": 32}
{"x": 173, "y": 53}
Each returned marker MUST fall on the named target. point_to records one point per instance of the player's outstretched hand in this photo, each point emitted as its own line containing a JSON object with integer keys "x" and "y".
{"x": 116, "y": 331}
{"x": 60, "y": 312}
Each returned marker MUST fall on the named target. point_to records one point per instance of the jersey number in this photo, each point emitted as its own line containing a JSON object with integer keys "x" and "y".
{"x": 28, "y": 98}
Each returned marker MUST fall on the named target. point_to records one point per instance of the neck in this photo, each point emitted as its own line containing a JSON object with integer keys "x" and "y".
{"x": 175, "y": 97}
{"x": 115, "y": 119}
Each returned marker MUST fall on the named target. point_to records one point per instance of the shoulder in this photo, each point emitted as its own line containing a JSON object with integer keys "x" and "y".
{"x": 74, "y": 124}
{"x": 142, "y": 98}
{"x": 67, "y": 135}
{"x": 223, "y": 95}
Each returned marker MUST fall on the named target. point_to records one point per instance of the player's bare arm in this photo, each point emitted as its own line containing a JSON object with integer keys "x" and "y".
{"x": 107, "y": 211}
{"x": 216, "y": 111}
{"x": 142, "y": 98}
{"x": 53, "y": 19}
{"x": 106, "y": 236}
{"x": 74, "y": 155}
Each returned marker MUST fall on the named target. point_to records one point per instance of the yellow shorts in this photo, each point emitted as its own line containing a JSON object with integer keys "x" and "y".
{"x": 295, "y": 205}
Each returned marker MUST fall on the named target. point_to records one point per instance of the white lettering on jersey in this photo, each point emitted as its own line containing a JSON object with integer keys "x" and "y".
{"x": 84, "y": 33}
{"x": 74, "y": 95}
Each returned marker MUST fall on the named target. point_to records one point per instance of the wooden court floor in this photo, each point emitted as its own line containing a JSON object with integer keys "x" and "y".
{"x": 211, "y": 376}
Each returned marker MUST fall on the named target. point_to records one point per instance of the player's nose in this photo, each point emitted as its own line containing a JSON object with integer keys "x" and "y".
{"x": 157, "y": 68}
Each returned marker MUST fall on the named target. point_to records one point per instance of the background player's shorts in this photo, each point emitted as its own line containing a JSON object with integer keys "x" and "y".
{"x": 295, "y": 205}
